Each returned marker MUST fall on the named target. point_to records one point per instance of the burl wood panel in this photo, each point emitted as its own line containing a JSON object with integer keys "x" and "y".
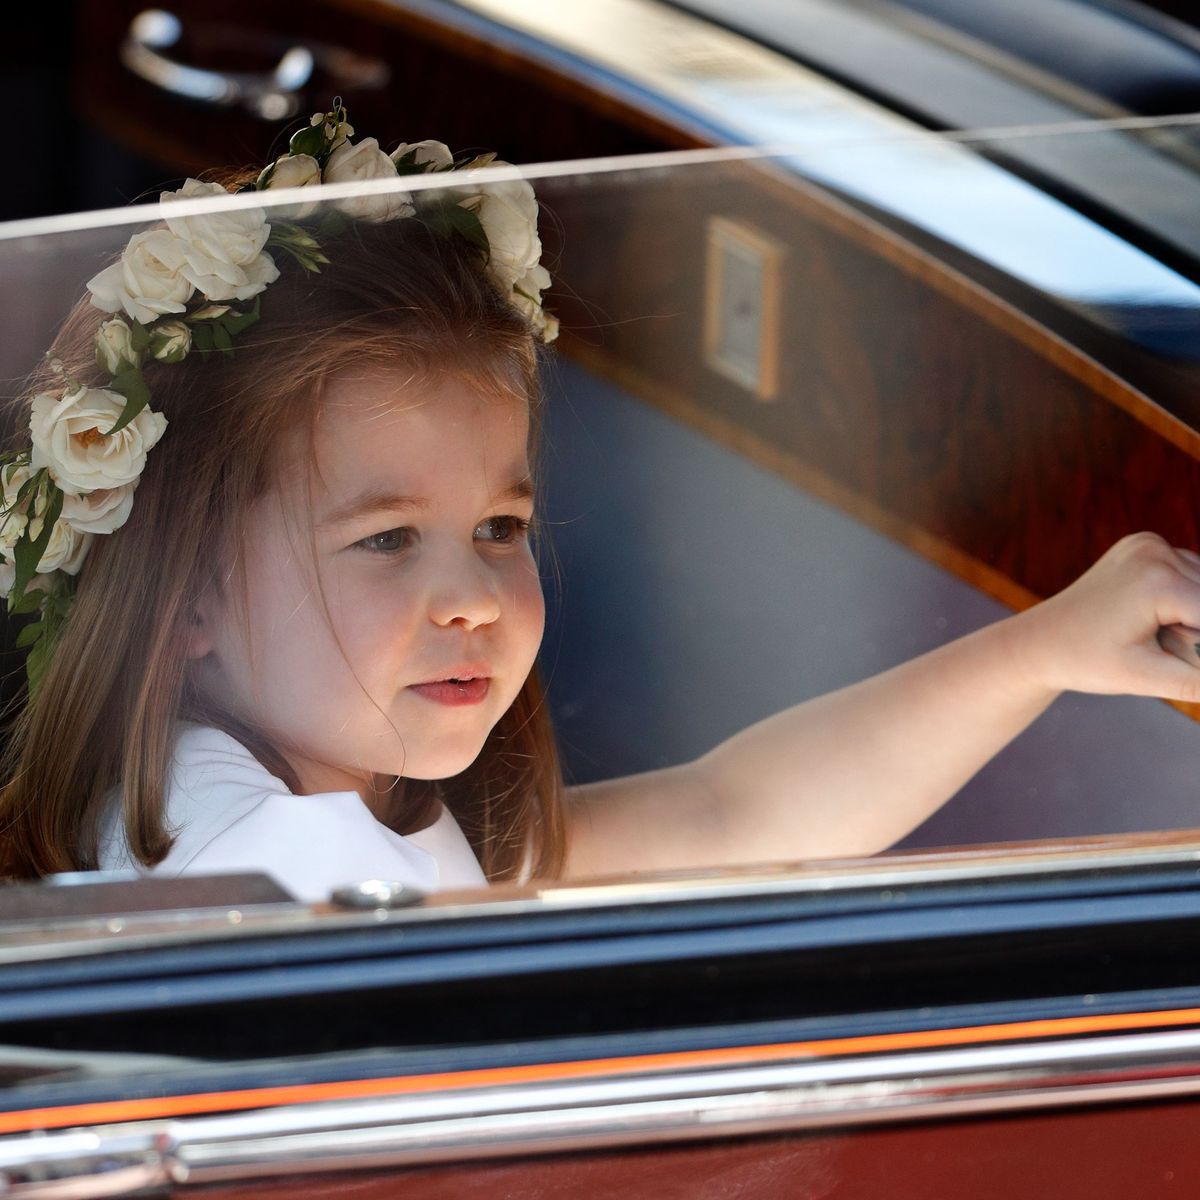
{"x": 908, "y": 394}
{"x": 1085, "y": 1154}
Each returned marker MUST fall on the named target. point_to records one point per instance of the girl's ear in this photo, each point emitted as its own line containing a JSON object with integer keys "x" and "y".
{"x": 200, "y": 640}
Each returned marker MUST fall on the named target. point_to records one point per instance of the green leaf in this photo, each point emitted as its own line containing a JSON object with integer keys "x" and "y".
{"x": 56, "y": 607}
{"x": 26, "y": 489}
{"x": 407, "y": 164}
{"x": 27, "y": 552}
{"x": 445, "y": 218}
{"x": 129, "y": 383}
{"x": 140, "y": 336}
{"x": 202, "y": 338}
{"x": 222, "y": 339}
{"x": 297, "y": 242}
{"x": 29, "y": 634}
{"x": 26, "y": 557}
{"x": 310, "y": 141}
{"x": 306, "y": 259}
{"x": 29, "y": 602}
{"x": 236, "y": 322}
{"x": 286, "y": 231}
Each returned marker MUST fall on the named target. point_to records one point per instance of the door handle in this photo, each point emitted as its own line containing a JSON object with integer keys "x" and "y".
{"x": 273, "y": 95}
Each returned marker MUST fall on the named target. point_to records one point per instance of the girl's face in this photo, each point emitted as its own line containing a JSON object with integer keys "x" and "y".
{"x": 418, "y": 513}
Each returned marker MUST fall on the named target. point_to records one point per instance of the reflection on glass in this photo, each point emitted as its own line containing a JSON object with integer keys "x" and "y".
{"x": 284, "y": 500}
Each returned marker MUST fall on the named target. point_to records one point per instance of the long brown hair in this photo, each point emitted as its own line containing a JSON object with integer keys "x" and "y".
{"x": 106, "y": 709}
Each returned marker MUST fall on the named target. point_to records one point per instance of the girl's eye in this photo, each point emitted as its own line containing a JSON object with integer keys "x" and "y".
{"x": 502, "y": 530}
{"x": 391, "y": 541}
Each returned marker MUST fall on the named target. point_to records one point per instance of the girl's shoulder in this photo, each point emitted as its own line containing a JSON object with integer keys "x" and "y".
{"x": 212, "y": 771}
{"x": 228, "y": 813}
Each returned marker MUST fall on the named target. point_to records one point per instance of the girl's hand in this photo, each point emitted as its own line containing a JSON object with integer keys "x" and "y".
{"x": 1101, "y": 633}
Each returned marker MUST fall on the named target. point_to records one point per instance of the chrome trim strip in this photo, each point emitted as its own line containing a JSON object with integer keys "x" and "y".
{"x": 499, "y": 1121}
{"x": 832, "y": 877}
{"x": 81, "y": 1164}
{"x": 889, "y": 871}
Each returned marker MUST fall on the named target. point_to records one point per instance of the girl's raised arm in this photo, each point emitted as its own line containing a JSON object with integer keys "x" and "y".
{"x": 851, "y": 772}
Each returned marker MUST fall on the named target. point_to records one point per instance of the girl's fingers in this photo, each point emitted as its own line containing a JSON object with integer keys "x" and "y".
{"x": 1184, "y": 596}
{"x": 1182, "y": 641}
{"x": 1171, "y": 678}
{"x": 1189, "y": 563}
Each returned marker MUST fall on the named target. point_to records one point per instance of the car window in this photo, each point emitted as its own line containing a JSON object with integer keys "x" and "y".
{"x": 814, "y": 411}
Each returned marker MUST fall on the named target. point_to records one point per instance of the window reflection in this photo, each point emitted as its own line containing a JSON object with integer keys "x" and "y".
{"x": 969, "y": 402}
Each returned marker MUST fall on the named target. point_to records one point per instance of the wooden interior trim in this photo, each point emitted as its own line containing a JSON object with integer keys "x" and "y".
{"x": 802, "y": 475}
{"x": 919, "y": 264}
{"x": 460, "y": 42}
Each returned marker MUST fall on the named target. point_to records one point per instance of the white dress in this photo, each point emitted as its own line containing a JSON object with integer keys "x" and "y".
{"x": 228, "y": 813}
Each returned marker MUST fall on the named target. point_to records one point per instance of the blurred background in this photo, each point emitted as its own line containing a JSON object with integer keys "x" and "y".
{"x": 110, "y": 97}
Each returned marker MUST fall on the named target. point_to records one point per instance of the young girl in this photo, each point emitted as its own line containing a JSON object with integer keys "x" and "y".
{"x": 273, "y": 520}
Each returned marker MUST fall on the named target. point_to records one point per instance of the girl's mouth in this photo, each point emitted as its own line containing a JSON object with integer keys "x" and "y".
{"x": 454, "y": 692}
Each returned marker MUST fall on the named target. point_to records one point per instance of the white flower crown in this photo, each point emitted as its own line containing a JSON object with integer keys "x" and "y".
{"x": 184, "y": 288}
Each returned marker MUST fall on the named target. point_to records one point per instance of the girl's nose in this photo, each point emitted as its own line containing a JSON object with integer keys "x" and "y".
{"x": 464, "y": 594}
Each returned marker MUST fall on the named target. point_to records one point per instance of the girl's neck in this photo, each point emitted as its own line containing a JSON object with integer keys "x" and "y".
{"x": 402, "y": 809}
{"x": 378, "y": 792}
{"x": 389, "y": 799}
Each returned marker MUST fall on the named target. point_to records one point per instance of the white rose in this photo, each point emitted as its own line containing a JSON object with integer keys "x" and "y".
{"x": 66, "y": 549}
{"x": 294, "y": 171}
{"x": 437, "y": 153}
{"x": 359, "y": 162}
{"x": 527, "y": 298}
{"x": 223, "y": 251}
{"x": 548, "y": 328}
{"x": 114, "y": 346}
{"x": 527, "y": 291}
{"x": 69, "y": 439}
{"x": 101, "y": 511}
{"x": 170, "y": 341}
{"x": 148, "y": 281}
{"x": 508, "y": 213}
{"x": 12, "y": 519}
{"x": 259, "y": 273}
